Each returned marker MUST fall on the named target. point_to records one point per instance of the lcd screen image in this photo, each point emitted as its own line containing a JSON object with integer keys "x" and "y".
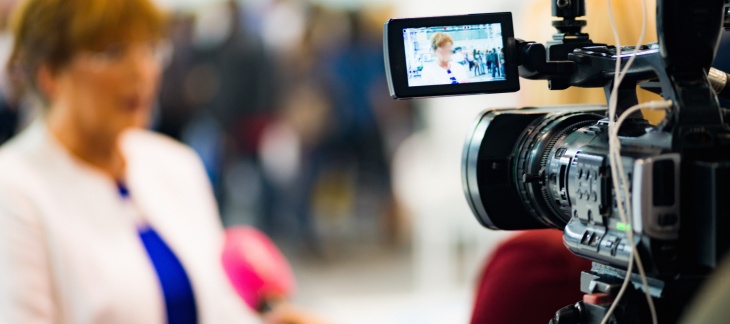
{"x": 454, "y": 54}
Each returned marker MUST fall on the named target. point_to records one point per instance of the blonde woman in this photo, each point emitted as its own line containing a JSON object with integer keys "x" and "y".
{"x": 102, "y": 221}
{"x": 443, "y": 70}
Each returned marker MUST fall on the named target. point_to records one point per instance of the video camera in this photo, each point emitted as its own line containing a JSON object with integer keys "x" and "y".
{"x": 556, "y": 167}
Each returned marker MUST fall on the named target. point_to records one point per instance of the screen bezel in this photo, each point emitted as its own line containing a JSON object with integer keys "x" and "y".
{"x": 395, "y": 57}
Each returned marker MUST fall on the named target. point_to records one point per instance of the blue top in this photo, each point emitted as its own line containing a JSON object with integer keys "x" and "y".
{"x": 176, "y": 287}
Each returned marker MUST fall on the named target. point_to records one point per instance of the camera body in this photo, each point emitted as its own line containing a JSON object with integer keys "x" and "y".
{"x": 549, "y": 167}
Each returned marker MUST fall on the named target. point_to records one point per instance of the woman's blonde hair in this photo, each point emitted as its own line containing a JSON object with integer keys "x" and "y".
{"x": 52, "y": 32}
{"x": 439, "y": 39}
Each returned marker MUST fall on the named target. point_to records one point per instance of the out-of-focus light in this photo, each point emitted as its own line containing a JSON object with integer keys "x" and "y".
{"x": 352, "y": 4}
{"x": 184, "y": 5}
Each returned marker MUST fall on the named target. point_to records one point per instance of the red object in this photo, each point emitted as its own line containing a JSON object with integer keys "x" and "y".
{"x": 597, "y": 299}
{"x": 255, "y": 266}
{"x": 248, "y": 132}
{"x": 528, "y": 278}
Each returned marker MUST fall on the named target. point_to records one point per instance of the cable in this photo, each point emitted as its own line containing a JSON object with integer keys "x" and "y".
{"x": 616, "y": 163}
{"x": 622, "y": 193}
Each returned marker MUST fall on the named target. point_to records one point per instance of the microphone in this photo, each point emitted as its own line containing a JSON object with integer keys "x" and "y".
{"x": 256, "y": 268}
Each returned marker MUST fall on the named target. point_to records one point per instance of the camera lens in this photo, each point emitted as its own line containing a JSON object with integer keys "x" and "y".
{"x": 535, "y": 154}
{"x": 516, "y": 163}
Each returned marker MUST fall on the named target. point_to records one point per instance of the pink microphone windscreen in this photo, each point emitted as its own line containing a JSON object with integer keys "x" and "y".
{"x": 256, "y": 268}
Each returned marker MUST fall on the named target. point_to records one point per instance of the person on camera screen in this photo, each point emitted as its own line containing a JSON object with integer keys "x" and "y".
{"x": 443, "y": 70}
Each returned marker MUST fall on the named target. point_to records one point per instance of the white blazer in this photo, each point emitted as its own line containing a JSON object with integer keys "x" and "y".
{"x": 70, "y": 254}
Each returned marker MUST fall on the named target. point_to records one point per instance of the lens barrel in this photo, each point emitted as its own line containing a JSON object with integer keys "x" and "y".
{"x": 510, "y": 170}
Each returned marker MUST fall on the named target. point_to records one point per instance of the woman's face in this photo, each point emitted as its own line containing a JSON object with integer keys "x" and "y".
{"x": 444, "y": 52}
{"x": 108, "y": 91}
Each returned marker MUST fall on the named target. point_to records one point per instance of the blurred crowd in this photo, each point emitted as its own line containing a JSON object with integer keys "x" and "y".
{"x": 286, "y": 101}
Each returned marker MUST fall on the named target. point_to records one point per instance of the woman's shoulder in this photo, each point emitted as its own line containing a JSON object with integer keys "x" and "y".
{"x": 160, "y": 154}
{"x": 427, "y": 67}
{"x": 24, "y": 160}
{"x": 14, "y": 169}
{"x": 20, "y": 154}
{"x": 153, "y": 145}
{"x": 460, "y": 68}
{"x": 430, "y": 69}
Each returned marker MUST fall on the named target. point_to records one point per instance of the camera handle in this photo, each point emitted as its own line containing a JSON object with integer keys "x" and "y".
{"x": 681, "y": 64}
{"x": 540, "y": 62}
{"x": 534, "y": 65}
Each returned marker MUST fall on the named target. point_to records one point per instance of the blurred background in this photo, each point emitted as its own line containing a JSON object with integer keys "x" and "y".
{"x": 287, "y": 104}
